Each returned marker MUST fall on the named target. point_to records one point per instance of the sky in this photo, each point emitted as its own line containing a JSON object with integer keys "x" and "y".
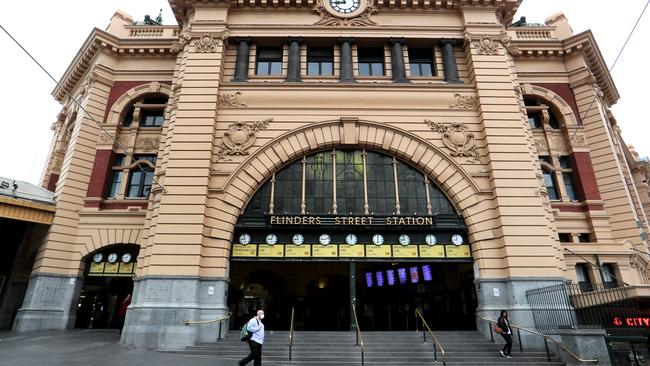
{"x": 53, "y": 31}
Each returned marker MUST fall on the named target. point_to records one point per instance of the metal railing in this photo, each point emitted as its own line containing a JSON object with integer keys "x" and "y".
{"x": 433, "y": 338}
{"x": 291, "y": 332}
{"x": 359, "y": 337}
{"x": 218, "y": 320}
{"x": 547, "y": 338}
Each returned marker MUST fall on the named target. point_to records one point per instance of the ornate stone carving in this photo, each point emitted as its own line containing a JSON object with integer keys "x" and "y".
{"x": 557, "y": 142}
{"x": 183, "y": 39}
{"x": 105, "y": 139}
{"x": 362, "y": 20}
{"x": 465, "y": 102}
{"x": 147, "y": 144}
{"x": 239, "y": 137}
{"x": 206, "y": 44}
{"x": 456, "y": 137}
{"x": 578, "y": 140}
{"x": 489, "y": 44}
{"x": 229, "y": 100}
{"x": 540, "y": 144}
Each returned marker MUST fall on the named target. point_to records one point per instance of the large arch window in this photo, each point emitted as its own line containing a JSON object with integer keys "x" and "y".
{"x": 541, "y": 115}
{"x": 148, "y": 111}
{"x": 356, "y": 182}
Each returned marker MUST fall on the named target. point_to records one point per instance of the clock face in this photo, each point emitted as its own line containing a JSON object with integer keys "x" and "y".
{"x": 377, "y": 239}
{"x": 345, "y": 6}
{"x": 112, "y": 258}
{"x": 457, "y": 239}
{"x": 98, "y": 257}
{"x": 298, "y": 239}
{"x": 324, "y": 239}
{"x": 430, "y": 239}
{"x": 126, "y": 258}
{"x": 404, "y": 239}
{"x": 351, "y": 239}
{"x": 271, "y": 239}
{"x": 244, "y": 239}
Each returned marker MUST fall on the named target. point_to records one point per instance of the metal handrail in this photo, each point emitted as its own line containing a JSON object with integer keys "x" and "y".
{"x": 220, "y": 320}
{"x": 433, "y": 338}
{"x": 546, "y": 339}
{"x": 291, "y": 332}
{"x": 360, "y": 343}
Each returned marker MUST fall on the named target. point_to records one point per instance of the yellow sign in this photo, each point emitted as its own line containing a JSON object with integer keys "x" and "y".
{"x": 405, "y": 251}
{"x": 432, "y": 251}
{"x": 298, "y": 250}
{"x": 111, "y": 267}
{"x": 271, "y": 250}
{"x": 461, "y": 251}
{"x": 324, "y": 250}
{"x": 240, "y": 250}
{"x": 349, "y": 251}
{"x": 378, "y": 251}
{"x": 126, "y": 268}
{"x": 96, "y": 267}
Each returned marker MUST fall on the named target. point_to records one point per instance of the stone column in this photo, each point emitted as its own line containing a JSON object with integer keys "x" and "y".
{"x": 346, "y": 60}
{"x": 241, "y": 64}
{"x": 397, "y": 60}
{"x": 449, "y": 61}
{"x": 293, "y": 69}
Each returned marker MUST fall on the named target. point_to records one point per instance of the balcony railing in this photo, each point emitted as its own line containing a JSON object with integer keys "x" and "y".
{"x": 532, "y": 33}
{"x": 152, "y": 31}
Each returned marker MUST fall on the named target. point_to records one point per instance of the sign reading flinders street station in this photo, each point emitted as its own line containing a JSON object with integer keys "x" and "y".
{"x": 305, "y": 236}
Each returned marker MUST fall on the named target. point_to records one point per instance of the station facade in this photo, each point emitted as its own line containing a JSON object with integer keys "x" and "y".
{"x": 317, "y": 154}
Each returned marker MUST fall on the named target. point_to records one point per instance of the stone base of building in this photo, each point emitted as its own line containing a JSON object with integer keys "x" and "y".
{"x": 586, "y": 343}
{"x": 50, "y": 303}
{"x": 161, "y": 305}
{"x": 12, "y": 298}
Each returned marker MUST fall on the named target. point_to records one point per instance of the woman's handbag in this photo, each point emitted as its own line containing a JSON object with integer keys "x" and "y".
{"x": 498, "y": 329}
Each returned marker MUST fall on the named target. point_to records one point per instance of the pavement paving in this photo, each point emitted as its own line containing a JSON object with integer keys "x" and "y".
{"x": 90, "y": 347}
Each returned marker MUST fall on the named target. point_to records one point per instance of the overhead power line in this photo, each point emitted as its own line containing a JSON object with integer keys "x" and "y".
{"x": 82, "y": 108}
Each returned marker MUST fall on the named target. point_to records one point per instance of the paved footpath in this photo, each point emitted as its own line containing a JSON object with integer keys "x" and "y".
{"x": 77, "y": 347}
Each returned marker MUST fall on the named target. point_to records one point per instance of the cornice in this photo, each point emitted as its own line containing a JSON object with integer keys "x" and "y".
{"x": 99, "y": 40}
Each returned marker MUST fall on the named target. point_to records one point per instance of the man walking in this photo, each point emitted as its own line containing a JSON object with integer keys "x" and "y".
{"x": 256, "y": 327}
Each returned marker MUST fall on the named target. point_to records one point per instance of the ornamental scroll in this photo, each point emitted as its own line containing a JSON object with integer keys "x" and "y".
{"x": 239, "y": 137}
{"x": 456, "y": 137}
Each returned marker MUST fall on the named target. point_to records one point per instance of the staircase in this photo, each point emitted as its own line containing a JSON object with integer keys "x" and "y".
{"x": 381, "y": 348}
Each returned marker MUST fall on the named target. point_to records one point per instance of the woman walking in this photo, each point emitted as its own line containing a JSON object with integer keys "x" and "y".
{"x": 506, "y": 332}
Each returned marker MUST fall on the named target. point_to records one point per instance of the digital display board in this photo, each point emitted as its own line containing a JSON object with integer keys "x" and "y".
{"x": 415, "y": 276}
{"x": 379, "y": 276}
{"x": 426, "y": 273}
{"x": 369, "y": 279}
{"x": 401, "y": 274}
{"x": 390, "y": 276}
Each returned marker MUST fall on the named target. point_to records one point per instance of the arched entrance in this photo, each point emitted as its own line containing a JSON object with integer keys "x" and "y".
{"x": 108, "y": 280}
{"x": 352, "y": 226}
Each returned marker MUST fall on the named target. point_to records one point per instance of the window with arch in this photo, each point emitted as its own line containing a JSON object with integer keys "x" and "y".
{"x": 558, "y": 169}
{"x": 346, "y": 181}
{"x": 147, "y": 111}
{"x": 541, "y": 115}
{"x": 139, "y": 173}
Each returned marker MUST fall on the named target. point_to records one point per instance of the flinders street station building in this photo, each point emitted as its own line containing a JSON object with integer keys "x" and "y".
{"x": 352, "y": 160}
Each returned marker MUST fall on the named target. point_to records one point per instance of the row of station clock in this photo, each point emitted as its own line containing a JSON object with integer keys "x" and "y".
{"x": 350, "y": 239}
{"x": 112, "y": 257}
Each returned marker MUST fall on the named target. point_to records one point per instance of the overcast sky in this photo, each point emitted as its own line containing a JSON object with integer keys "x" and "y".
{"x": 53, "y": 31}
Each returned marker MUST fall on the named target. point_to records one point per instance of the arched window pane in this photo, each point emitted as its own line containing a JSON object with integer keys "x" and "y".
{"x": 349, "y": 182}
{"x": 412, "y": 197}
{"x": 288, "y": 189}
{"x": 260, "y": 201}
{"x": 318, "y": 184}
{"x": 381, "y": 184}
{"x": 439, "y": 202}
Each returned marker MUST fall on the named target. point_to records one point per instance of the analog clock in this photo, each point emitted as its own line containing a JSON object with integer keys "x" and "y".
{"x": 126, "y": 258}
{"x": 351, "y": 239}
{"x": 377, "y": 239}
{"x": 271, "y": 239}
{"x": 324, "y": 239}
{"x": 98, "y": 257}
{"x": 404, "y": 239}
{"x": 244, "y": 239}
{"x": 430, "y": 239}
{"x": 298, "y": 239}
{"x": 112, "y": 258}
{"x": 345, "y": 6}
{"x": 457, "y": 239}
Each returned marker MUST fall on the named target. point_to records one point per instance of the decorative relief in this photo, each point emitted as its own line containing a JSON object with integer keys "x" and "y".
{"x": 229, "y": 100}
{"x": 557, "y": 143}
{"x": 183, "y": 39}
{"x": 578, "y": 140}
{"x": 208, "y": 43}
{"x": 362, "y": 20}
{"x": 239, "y": 137}
{"x": 540, "y": 144}
{"x": 490, "y": 44}
{"x": 465, "y": 102}
{"x": 147, "y": 144}
{"x": 456, "y": 137}
{"x": 105, "y": 139}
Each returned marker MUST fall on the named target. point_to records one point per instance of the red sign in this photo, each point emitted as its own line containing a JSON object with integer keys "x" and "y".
{"x": 631, "y": 322}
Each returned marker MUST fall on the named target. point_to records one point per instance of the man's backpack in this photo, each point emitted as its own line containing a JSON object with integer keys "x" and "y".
{"x": 245, "y": 335}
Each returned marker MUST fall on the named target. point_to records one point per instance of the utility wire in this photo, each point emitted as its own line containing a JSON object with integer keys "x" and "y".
{"x": 600, "y": 268}
{"x": 83, "y": 109}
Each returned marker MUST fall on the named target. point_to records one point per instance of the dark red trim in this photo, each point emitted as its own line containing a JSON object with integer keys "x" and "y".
{"x": 116, "y": 205}
{"x": 582, "y": 208}
{"x": 584, "y": 178}
{"x": 566, "y": 93}
{"x": 52, "y": 181}
{"x": 100, "y": 174}
{"x": 121, "y": 87}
